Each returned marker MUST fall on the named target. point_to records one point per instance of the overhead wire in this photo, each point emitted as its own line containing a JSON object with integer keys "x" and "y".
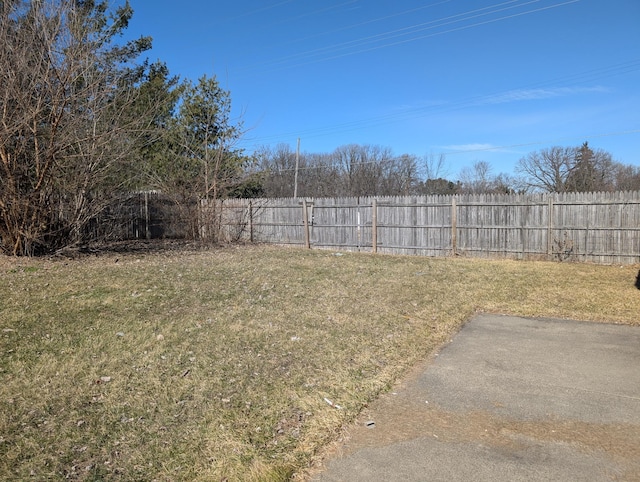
{"x": 312, "y": 13}
{"x": 415, "y": 32}
{"x": 336, "y": 51}
{"x": 413, "y": 39}
{"x": 366, "y": 22}
{"x": 336, "y": 30}
{"x": 419, "y": 27}
{"x": 419, "y": 112}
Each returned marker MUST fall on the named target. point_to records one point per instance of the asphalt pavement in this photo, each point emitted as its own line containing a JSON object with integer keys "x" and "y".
{"x": 507, "y": 399}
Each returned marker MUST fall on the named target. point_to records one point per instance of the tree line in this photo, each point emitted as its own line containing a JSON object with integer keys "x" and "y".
{"x": 86, "y": 122}
{"x": 363, "y": 170}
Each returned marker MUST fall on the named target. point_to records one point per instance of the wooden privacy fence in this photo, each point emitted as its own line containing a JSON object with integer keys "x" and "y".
{"x": 144, "y": 215}
{"x": 590, "y": 227}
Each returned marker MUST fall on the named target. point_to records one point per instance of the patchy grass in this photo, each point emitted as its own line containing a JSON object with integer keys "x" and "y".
{"x": 218, "y": 365}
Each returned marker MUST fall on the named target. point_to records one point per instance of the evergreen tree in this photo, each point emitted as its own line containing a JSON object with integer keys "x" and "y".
{"x": 204, "y": 138}
{"x": 591, "y": 171}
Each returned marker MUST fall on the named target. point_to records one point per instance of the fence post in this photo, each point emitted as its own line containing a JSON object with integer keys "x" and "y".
{"x": 550, "y": 228}
{"x": 374, "y": 226}
{"x": 250, "y": 222}
{"x": 305, "y": 221}
{"x": 454, "y": 227}
{"x": 146, "y": 216}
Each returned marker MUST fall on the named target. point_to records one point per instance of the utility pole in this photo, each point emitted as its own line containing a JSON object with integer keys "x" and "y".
{"x": 295, "y": 177}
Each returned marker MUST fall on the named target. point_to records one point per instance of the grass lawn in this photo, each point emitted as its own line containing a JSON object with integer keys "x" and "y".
{"x": 219, "y": 365}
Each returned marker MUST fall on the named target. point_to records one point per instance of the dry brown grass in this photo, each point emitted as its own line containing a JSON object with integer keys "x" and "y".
{"x": 214, "y": 365}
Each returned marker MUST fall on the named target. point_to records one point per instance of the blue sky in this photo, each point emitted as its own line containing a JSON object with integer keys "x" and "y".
{"x": 477, "y": 80}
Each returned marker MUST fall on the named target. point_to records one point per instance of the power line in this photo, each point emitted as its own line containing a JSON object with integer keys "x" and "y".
{"x": 422, "y": 27}
{"x": 375, "y": 20}
{"x": 341, "y": 29}
{"x": 458, "y": 28}
{"x": 333, "y": 52}
{"x": 422, "y": 30}
{"x": 419, "y": 112}
{"x": 422, "y": 111}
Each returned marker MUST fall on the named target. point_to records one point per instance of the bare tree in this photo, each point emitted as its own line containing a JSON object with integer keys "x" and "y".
{"x": 477, "y": 178}
{"x": 573, "y": 169}
{"x": 65, "y": 89}
{"x": 548, "y": 169}
{"x": 362, "y": 168}
{"x": 400, "y": 176}
{"x": 627, "y": 177}
{"x": 278, "y": 169}
{"x": 434, "y": 166}
{"x": 351, "y": 170}
{"x": 320, "y": 176}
